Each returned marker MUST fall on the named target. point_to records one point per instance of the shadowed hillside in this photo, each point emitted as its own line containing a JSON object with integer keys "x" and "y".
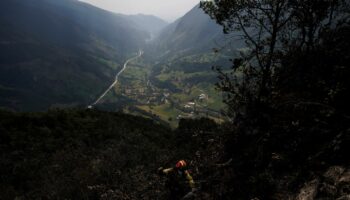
{"x": 78, "y": 154}
{"x": 60, "y": 52}
{"x": 269, "y": 121}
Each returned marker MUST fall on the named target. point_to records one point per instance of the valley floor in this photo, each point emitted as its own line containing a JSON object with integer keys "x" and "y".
{"x": 168, "y": 95}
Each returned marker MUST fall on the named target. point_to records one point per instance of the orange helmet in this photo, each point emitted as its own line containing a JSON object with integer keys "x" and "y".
{"x": 181, "y": 164}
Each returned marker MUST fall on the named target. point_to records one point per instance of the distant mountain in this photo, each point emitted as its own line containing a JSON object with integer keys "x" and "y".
{"x": 60, "y": 52}
{"x": 194, "y": 32}
{"x": 152, "y": 24}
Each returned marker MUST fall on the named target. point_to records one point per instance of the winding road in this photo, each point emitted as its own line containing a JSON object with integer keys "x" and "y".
{"x": 116, "y": 79}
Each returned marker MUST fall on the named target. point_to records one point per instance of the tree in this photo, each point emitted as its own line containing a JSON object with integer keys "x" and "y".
{"x": 271, "y": 29}
{"x": 286, "y": 93}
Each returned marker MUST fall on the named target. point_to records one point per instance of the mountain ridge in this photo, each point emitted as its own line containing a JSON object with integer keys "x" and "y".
{"x": 193, "y": 33}
{"x": 60, "y": 53}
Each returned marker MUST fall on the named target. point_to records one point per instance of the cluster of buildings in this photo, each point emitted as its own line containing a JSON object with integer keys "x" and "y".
{"x": 146, "y": 95}
{"x": 190, "y": 108}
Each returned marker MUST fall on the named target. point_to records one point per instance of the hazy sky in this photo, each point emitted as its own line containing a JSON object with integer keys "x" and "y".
{"x": 166, "y": 9}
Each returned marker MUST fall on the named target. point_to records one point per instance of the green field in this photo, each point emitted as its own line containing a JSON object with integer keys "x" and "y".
{"x": 138, "y": 83}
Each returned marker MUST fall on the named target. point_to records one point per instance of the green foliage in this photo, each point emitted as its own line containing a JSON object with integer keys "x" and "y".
{"x": 286, "y": 97}
{"x": 77, "y": 154}
{"x": 288, "y": 105}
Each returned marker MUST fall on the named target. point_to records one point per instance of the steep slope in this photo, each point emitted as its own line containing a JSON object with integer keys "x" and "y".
{"x": 194, "y": 32}
{"x": 60, "y": 52}
{"x": 79, "y": 154}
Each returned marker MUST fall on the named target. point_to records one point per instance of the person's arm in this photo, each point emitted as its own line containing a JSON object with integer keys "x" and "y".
{"x": 190, "y": 179}
{"x": 167, "y": 171}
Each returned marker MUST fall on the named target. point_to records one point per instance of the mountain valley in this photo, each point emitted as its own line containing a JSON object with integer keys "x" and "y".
{"x": 82, "y": 54}
{"x": 233, "y": 100}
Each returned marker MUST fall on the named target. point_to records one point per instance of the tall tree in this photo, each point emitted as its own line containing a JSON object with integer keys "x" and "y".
{"x": 286, "y": 94}
{"x": 271, "y": 28}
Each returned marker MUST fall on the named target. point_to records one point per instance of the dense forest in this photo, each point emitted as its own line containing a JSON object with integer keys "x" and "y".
{"x": 77, "y": 154}
{"x": 287, "y": 137}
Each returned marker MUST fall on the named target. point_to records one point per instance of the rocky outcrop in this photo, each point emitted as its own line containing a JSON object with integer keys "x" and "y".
{"x": 333, "y": 184}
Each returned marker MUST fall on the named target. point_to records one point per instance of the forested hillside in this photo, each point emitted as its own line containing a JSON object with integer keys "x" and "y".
{"x": 76, "y": 154}
{"x": 60, "y": 53}
{"x": 87, "y": 154}
{"x": 285, "y": 134}
{"x": 193, "y": 33}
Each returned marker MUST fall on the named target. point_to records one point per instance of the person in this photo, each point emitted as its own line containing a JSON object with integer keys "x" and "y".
{"x": 180, "y": 181}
